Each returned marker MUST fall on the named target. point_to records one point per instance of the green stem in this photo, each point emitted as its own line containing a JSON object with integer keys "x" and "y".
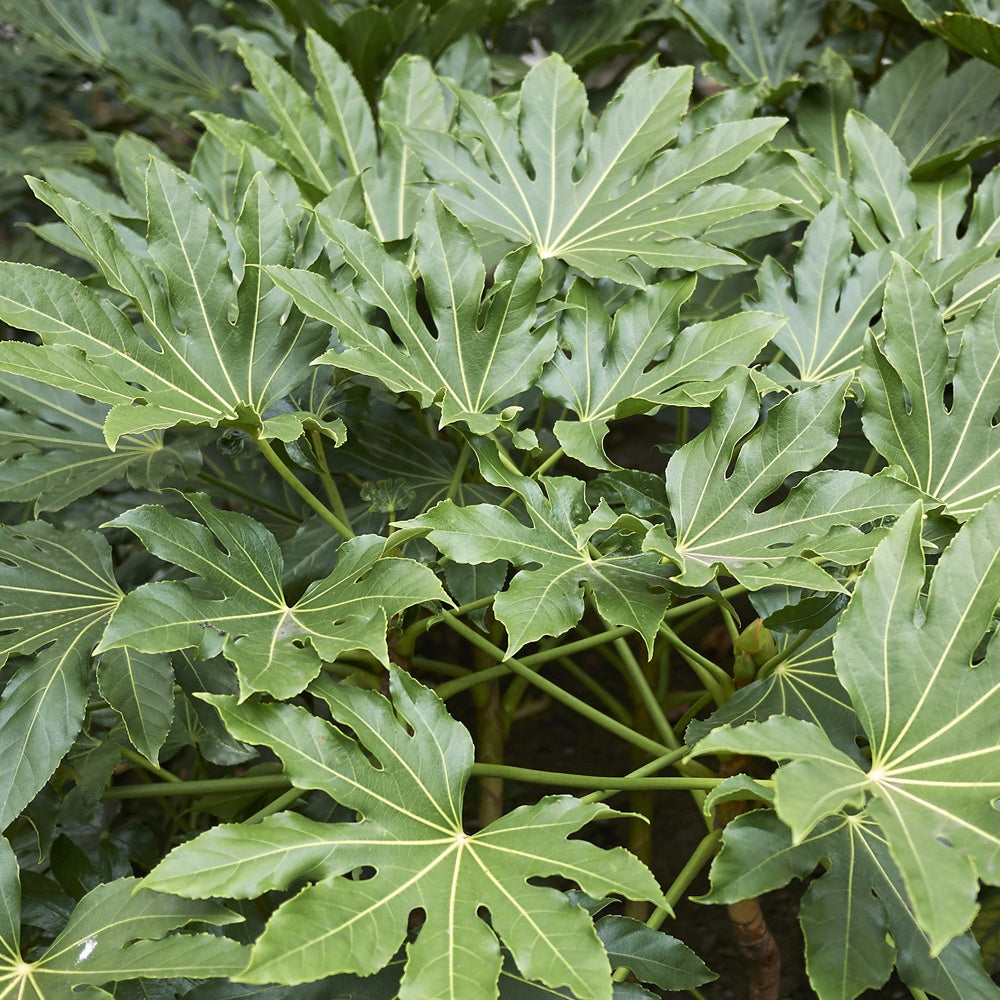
{"x": 682, "y": 426}
{"x": 459, "y": 471}
{"x": 610, "y": 702}
{"x": 598, "y": 781}
{"x": 731, "y": 627}
{"x": 439, "y": 666}
{"x": 715, "y": 679}
{"x": 302, "y": 490}
{"x": 696, "y": 707}
{"x": 329, "y": 485}
{"x": 872, "y": 462}
{"x": 276, "y": 805}
{"x": 681, "y": 610}
{"x": 564, "y": 697}
{"x": 641, "y": 684}
{"x": 409, "y": 637}
{"x": 137, "y": 758}
{"x": 548, "y": 463}
{"x": 207, "y": 786}
{"x": 450, "y": 688}
{"x": 701, "y": 856}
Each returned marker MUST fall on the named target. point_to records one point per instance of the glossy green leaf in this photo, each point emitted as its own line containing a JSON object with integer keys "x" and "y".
{"x": 277, "y": 647}
{"x": 934, "y": 774}
{"x": 757, "y": 42}
{"x": 55, "y": 451}
{"x": 57, "y": 592}
{"x": 608, "y": 368}
{"x": 329, "y": 138}
{"x": 481, "y": 353}
{"x": 716, "y": 493}
{"x": 830, "y": 302}
{"x": 628, "y": 586}
{"x": 410, "y": 836}
{"x": 652, "y": 957}
{"x": 972, "y": 28}
{"x": 10, "y": 903}
{"x": 540, "y": 170}
{"x": 857, "y": 920}
{"x": 119, "y": 931}
{"x": 139, "y": 687}
{"x": 928, "y": 222}
{"x": 936, "y": 428}
{"x": 226, "y": 344}
{"x": 803, "y": 686}
{"x": 938, "y": 120}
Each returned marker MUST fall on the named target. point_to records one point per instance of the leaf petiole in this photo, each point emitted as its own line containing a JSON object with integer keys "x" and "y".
{"x": 302, "y": 490}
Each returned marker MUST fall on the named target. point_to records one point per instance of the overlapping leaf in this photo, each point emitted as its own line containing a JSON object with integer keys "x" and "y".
{"x": 276, "y": 647}
{"x": 140, "y": 688}
{"x": 114, "y": 933}
{"x": 972, "y": 27}
{"x": 856, "y": 917}
{"x": 937, "y": 429}
{"x": 938, "y": 120}
{"x": 409, "y": 795}
{"x": 481, "y": 354}
{"x": 226, "y": 344}
{"x": 802, "y": 686}
{"x": 540, "y": 170}
{"x": 628, "y": 585}
{"x": 607, "y": 368}
{"x": 57, "y": 592}
{"x": 716, "y": 493}
{"x": 935, "y": 772}
{"x": 831, "y": 301}
{"x": 923, "y": 221}
{"x": 55, "y": 451}
{"x": 328, "y": 140}
{"x": 762, "y": 43}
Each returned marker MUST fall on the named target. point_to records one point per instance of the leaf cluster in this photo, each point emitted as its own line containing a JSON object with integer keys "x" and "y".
{"x": 467, "y": 361}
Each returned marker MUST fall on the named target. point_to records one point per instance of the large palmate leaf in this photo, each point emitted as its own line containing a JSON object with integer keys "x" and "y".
{"x": 607, "y": 368}
{"x": 857, "y": 919}
{"x": 276, "y": 647}
{"x": 969, "y": 25}
{"x": 57, "y": 592}
{"x": 114, "y": 933}
{"x": 927, "y": 222}
{"x": 163, "y": 65}
{"x": 404, "y": 767}
{"x": 328, "y": 140}
{"x": 540, "y": 170}
{"x": 716, "y": 493}
{"x": 803, "y": 686}
{"x": 628, "y": 586}
{"x": 55, "y": 451}
{"x": 929, "y": 716}
{"x": 764, "y": 43}
{"x": 226, "y": 344}
{"x": 938, "y": 430}
{"x": 831, "y": 301}
{"x": 481, "y": 354}
{"x": 938, "y": 120}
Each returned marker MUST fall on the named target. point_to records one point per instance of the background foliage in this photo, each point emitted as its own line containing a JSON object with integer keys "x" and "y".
{"x": 381, "y": 379}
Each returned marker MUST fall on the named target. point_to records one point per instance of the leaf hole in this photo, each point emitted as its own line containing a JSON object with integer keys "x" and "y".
{"x": 362, "y": 873}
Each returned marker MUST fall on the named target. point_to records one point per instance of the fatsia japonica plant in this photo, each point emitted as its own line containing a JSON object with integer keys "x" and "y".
{"x": 467, "y": 475}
